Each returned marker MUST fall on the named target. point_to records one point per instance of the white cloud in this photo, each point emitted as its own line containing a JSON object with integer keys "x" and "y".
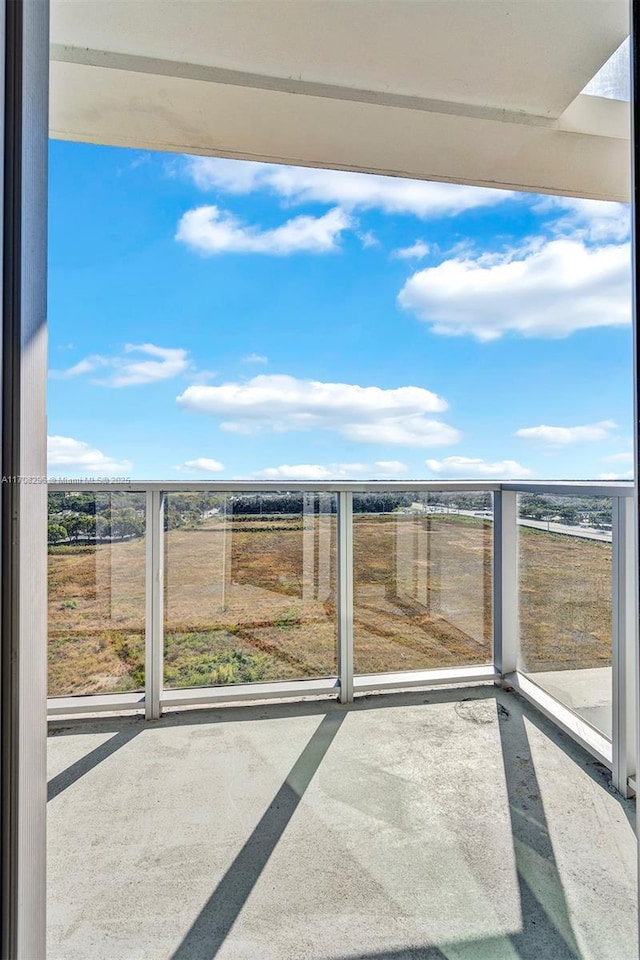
{"x": 130, "y": 372}
{"x": 417, "y": 251}
{"x": 364, "y": 414}
{"x": 64, "y": 454}
{"x": 299, "y": 471}
{"x": 381, "y": 469}
{"x": 86, "y": 365}
{"x": 406, "y": 431}
{"x": 594, "y": 220}
{"x": 561, "y": 436}
{"x": 127, "y": 371}
{"x": 474, "y": 467}
{"x": 255, "y": 358}
{"x": 353, "y": 191}
{"x": 368, "y": 239}
{"x": 551, "y": 289}
{"x": 210, "y": 230}
{"x": 391, "y": 466}
{"x": 627, "y": 475}
{"x": 626, "y": 457}
{"x": 202, "y": 376}
{"x": 201, "y": 465}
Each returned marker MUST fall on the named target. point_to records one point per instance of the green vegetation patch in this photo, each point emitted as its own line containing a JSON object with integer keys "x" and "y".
{"x": 108, "y": 660}
{"x": 202, "y": 659}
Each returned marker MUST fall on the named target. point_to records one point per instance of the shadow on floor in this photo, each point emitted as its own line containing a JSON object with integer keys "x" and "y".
{"x": 276, "y": 709}
{"x": 218, "y": 915}
{"x": 91, "y": 760}
{"x": 412, "y": 953}
{"x": 546, "y": 924}
{"x": 127, "y": 727}
{"x": 546, "y": 933}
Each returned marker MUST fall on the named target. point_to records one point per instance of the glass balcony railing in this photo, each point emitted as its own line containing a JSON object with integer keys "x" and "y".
{"x": 565, "y": 602}
{"x": 249, "y": 588}
{"x": 422, "y": 581}
{"x": 162, "y": 594}
{"x": 97, "y": 592}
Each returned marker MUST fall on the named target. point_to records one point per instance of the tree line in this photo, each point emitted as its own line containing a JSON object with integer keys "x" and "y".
{"x": 96, "y": 517}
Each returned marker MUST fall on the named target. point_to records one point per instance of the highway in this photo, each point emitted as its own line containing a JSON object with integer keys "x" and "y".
{"x": 585, "y": 533}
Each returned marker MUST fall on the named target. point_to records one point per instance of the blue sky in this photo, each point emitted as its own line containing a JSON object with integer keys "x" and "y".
{"x": 223, "y": 319}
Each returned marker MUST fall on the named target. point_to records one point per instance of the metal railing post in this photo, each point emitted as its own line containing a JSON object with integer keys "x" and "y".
{"x": 308, "y": 547}
{"x": 506, "y": 633}
{"x": 623, "y": 644}
{"x": 154, "y": 587}
{"x": 345, "y": 595}
{"x": 24, "y": 45}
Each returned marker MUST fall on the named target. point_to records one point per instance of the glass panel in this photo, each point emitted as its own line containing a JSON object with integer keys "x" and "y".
{"x": 96, "y": 592}
{"x": 250, "y": 585}
{"x": 422, "y": 580}
{"x": 565, "y": 600}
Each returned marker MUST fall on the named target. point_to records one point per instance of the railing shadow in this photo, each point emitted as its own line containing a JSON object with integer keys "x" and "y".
{"x": 211, "y": 927}
{"x": 547, "y": 930}
{"x": 271, "y": 709}
{"x": 126, "y": 728}
{"x": 409, "y": 953}
{"x": 597, "y": 771}
{"x": 90, "y": 760}
{"x": 546, "y": 933}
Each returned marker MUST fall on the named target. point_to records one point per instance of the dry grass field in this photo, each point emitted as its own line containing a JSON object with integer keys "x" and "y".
{"x": 565, "y": 601}
{"x": 422, "y": 592}
{"x": 254, "y": 599}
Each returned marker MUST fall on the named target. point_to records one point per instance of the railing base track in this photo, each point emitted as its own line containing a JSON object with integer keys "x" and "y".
{"x": 279, "y": 690}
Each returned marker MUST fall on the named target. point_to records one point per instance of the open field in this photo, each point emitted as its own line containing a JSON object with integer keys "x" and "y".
{"x": 565, "y": 602}
{"x": 253, "y": 598}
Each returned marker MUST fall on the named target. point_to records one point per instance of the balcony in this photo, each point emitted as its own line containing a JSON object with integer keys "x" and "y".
{"x": 419, "y": 703}
{"x": 466, "y": 93}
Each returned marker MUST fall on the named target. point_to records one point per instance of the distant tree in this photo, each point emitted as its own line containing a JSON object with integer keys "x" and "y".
{"x": 88, "y": 525}
{"x": 73, "y": 524}
{"x": 569, "y": 515}
{"x": 126, "y": 523}
{"x": 56, "y": 532}
{"x": 79, "y": 502}
{"x": 56, "y": 503}
{"x": 103, "y": 527}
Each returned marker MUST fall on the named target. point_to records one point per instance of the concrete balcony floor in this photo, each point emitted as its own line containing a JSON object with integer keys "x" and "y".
{"x": 455, "y": 824}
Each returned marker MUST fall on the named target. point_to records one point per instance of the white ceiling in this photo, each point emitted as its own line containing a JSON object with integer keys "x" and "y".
{"x": 477, "y": 91}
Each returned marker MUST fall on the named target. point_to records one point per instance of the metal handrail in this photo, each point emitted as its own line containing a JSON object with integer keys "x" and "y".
{"x": 588, "y": 488}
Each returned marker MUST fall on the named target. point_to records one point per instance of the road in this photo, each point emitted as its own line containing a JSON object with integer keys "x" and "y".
{"x": 585, "y": 533}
